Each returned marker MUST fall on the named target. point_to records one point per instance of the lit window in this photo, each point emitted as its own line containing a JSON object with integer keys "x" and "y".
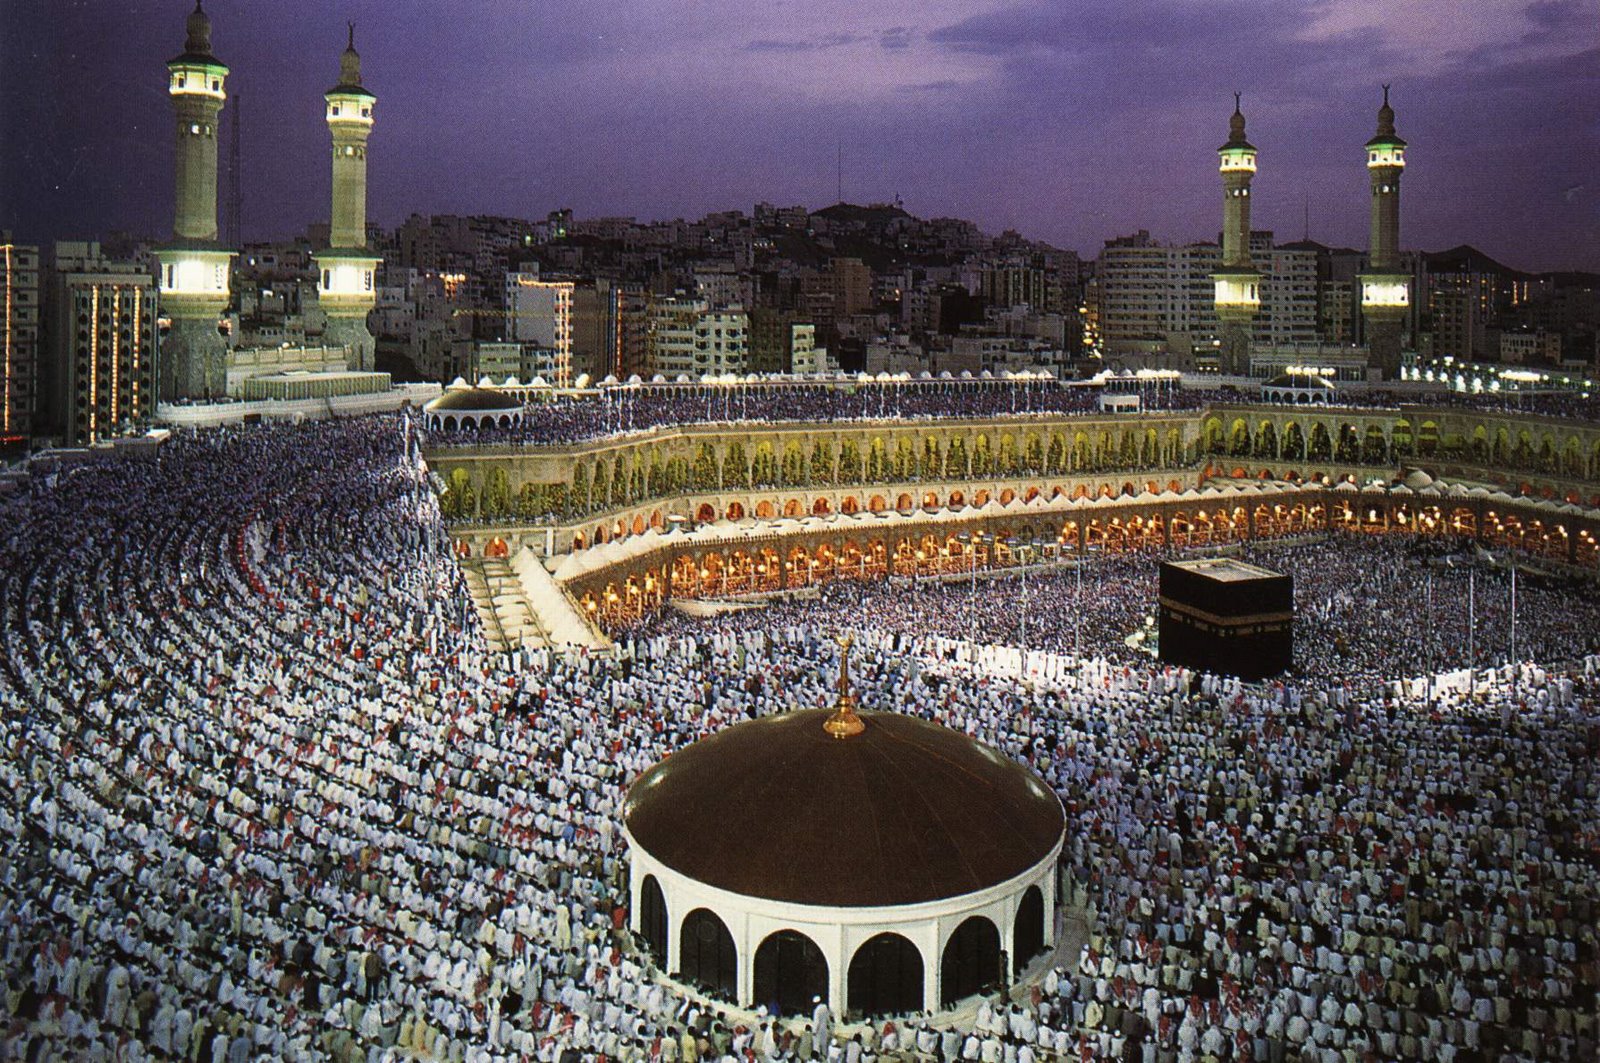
{"x": 194, "y": 129}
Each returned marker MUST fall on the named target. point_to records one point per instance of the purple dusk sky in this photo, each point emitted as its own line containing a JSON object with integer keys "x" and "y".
{"x": 1071, "y": 120}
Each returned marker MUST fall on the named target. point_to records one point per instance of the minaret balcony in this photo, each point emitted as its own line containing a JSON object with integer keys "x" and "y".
{"x": 1380, "y": 292}
{"x": 1241, "y": 291}
{"x": 193, "y": 280}
{"x": 197, "y": 79}
{"x": 1380, "y": 157}
{"x": 1232, "y": 161}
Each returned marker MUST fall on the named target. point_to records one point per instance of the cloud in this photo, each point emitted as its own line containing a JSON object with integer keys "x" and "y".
{"x": 832, "y": 40}
{"x": 895, "y": 38}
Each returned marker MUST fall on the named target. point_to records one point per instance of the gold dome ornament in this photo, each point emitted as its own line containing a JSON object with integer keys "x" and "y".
{"x": 844, "y": 723}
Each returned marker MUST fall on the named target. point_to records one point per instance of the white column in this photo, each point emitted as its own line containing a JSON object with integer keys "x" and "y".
{"x": 833, "y": 951}
{"x": 1047, "y": 886}
{"x": 674, "y": 900}
{"x": 746, "y": 960}
{"x": 932, "y": 946}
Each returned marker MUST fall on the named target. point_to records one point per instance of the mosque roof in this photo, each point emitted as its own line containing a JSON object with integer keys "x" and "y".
{"x": 485, "y": 400}
{"x": 904, "y": 812}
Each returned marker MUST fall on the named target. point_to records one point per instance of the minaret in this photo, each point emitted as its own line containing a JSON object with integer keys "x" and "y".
{"x": 194, "y": 267}
{"x": 1385, "y": 286}
{"x": 1238, "y": 283}
{"x": 348, "y": 267}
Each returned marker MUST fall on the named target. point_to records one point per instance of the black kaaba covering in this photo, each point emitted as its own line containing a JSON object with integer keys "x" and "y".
{"x": 1227, "y": 616}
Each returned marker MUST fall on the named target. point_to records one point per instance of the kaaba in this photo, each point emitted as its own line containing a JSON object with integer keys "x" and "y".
{"x": 1227, "y": 616}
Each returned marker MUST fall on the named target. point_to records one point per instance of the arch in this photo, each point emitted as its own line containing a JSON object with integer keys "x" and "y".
{"x": 877, "y": 504}
{"x": 706, "y": 513}
{"x": 735, "y": 511}
{"x": 497, "y": 548}
{"x": 794, "y": 508}
{"x": 849, "y": 506}
{"x": 821, "y": 508}
{"x": 707, "y": 957}
{"x": 653, "y": 920}
{"x": 971, "y": 961}
{"x": 790, "y": 970}
{"x": 904, "y": 503}
{"x": 1027, "y": 930}
{"x": 885, "y": 978}
{"x": 764, "y": 510}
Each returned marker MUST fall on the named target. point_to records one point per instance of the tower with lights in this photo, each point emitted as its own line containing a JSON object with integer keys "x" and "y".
{"x": 194, "y": 266}
{"x": 1237, "y": 285}
{"x": 1385, "y": 286}
{"x": 348, "y": 267}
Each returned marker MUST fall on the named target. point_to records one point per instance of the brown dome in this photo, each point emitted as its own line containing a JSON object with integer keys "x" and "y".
{"x": 905, "y": 812}
{"x": 474, "y": 400}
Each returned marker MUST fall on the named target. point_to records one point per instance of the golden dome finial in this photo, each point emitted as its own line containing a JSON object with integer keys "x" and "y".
{"x": 844, "y": 722}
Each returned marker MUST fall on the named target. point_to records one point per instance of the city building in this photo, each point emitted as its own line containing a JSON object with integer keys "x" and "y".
{"x": 19, "y": 339}
{"x": 1154, "y": 297}
{"x": 194, "y": 282}
{"x": 103, "y": 345}
{"x": 1535, "y": 347}
{"x": 540, "y": 312}
{"x": 782, "y": 342}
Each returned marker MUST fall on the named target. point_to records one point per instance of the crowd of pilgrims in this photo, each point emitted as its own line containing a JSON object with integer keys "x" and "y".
{"x": 1368, "y": 609}
{"x": 266, "y": 795}
{"x": 616, "y": 410}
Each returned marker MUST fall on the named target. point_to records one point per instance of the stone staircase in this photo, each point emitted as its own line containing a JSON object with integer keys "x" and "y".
{"x": 508, "y": 619}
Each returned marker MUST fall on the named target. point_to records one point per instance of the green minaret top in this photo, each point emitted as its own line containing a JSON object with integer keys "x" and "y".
{"x": 350, "y": 62}
{"x": 1386, "y": 135}
{"x": 199, "y": 28}
{"x": 1236, "y": 140}
{"x": 197, "y": 43}
{"x": 350, "y": 70}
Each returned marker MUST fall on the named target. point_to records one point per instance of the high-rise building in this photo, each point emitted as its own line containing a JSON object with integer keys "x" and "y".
{"x": 688, "y": 337}
{"x": 103, "y": 344}
{"x": 1385, "y": 286}
{"x": 1237, "y": 289}
{"x": 1288, "y": 290}
{"x": 194, "y": 266}
{"x": 1154, "y": 297}
{"x": 672, "y": 321}
{"x": 781, "y": 341}
{"x": 627, "y": 328}
{"x": 347, "y": 289}
{"x": 19, "y": 338}
{"x": 540, "y": 312}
